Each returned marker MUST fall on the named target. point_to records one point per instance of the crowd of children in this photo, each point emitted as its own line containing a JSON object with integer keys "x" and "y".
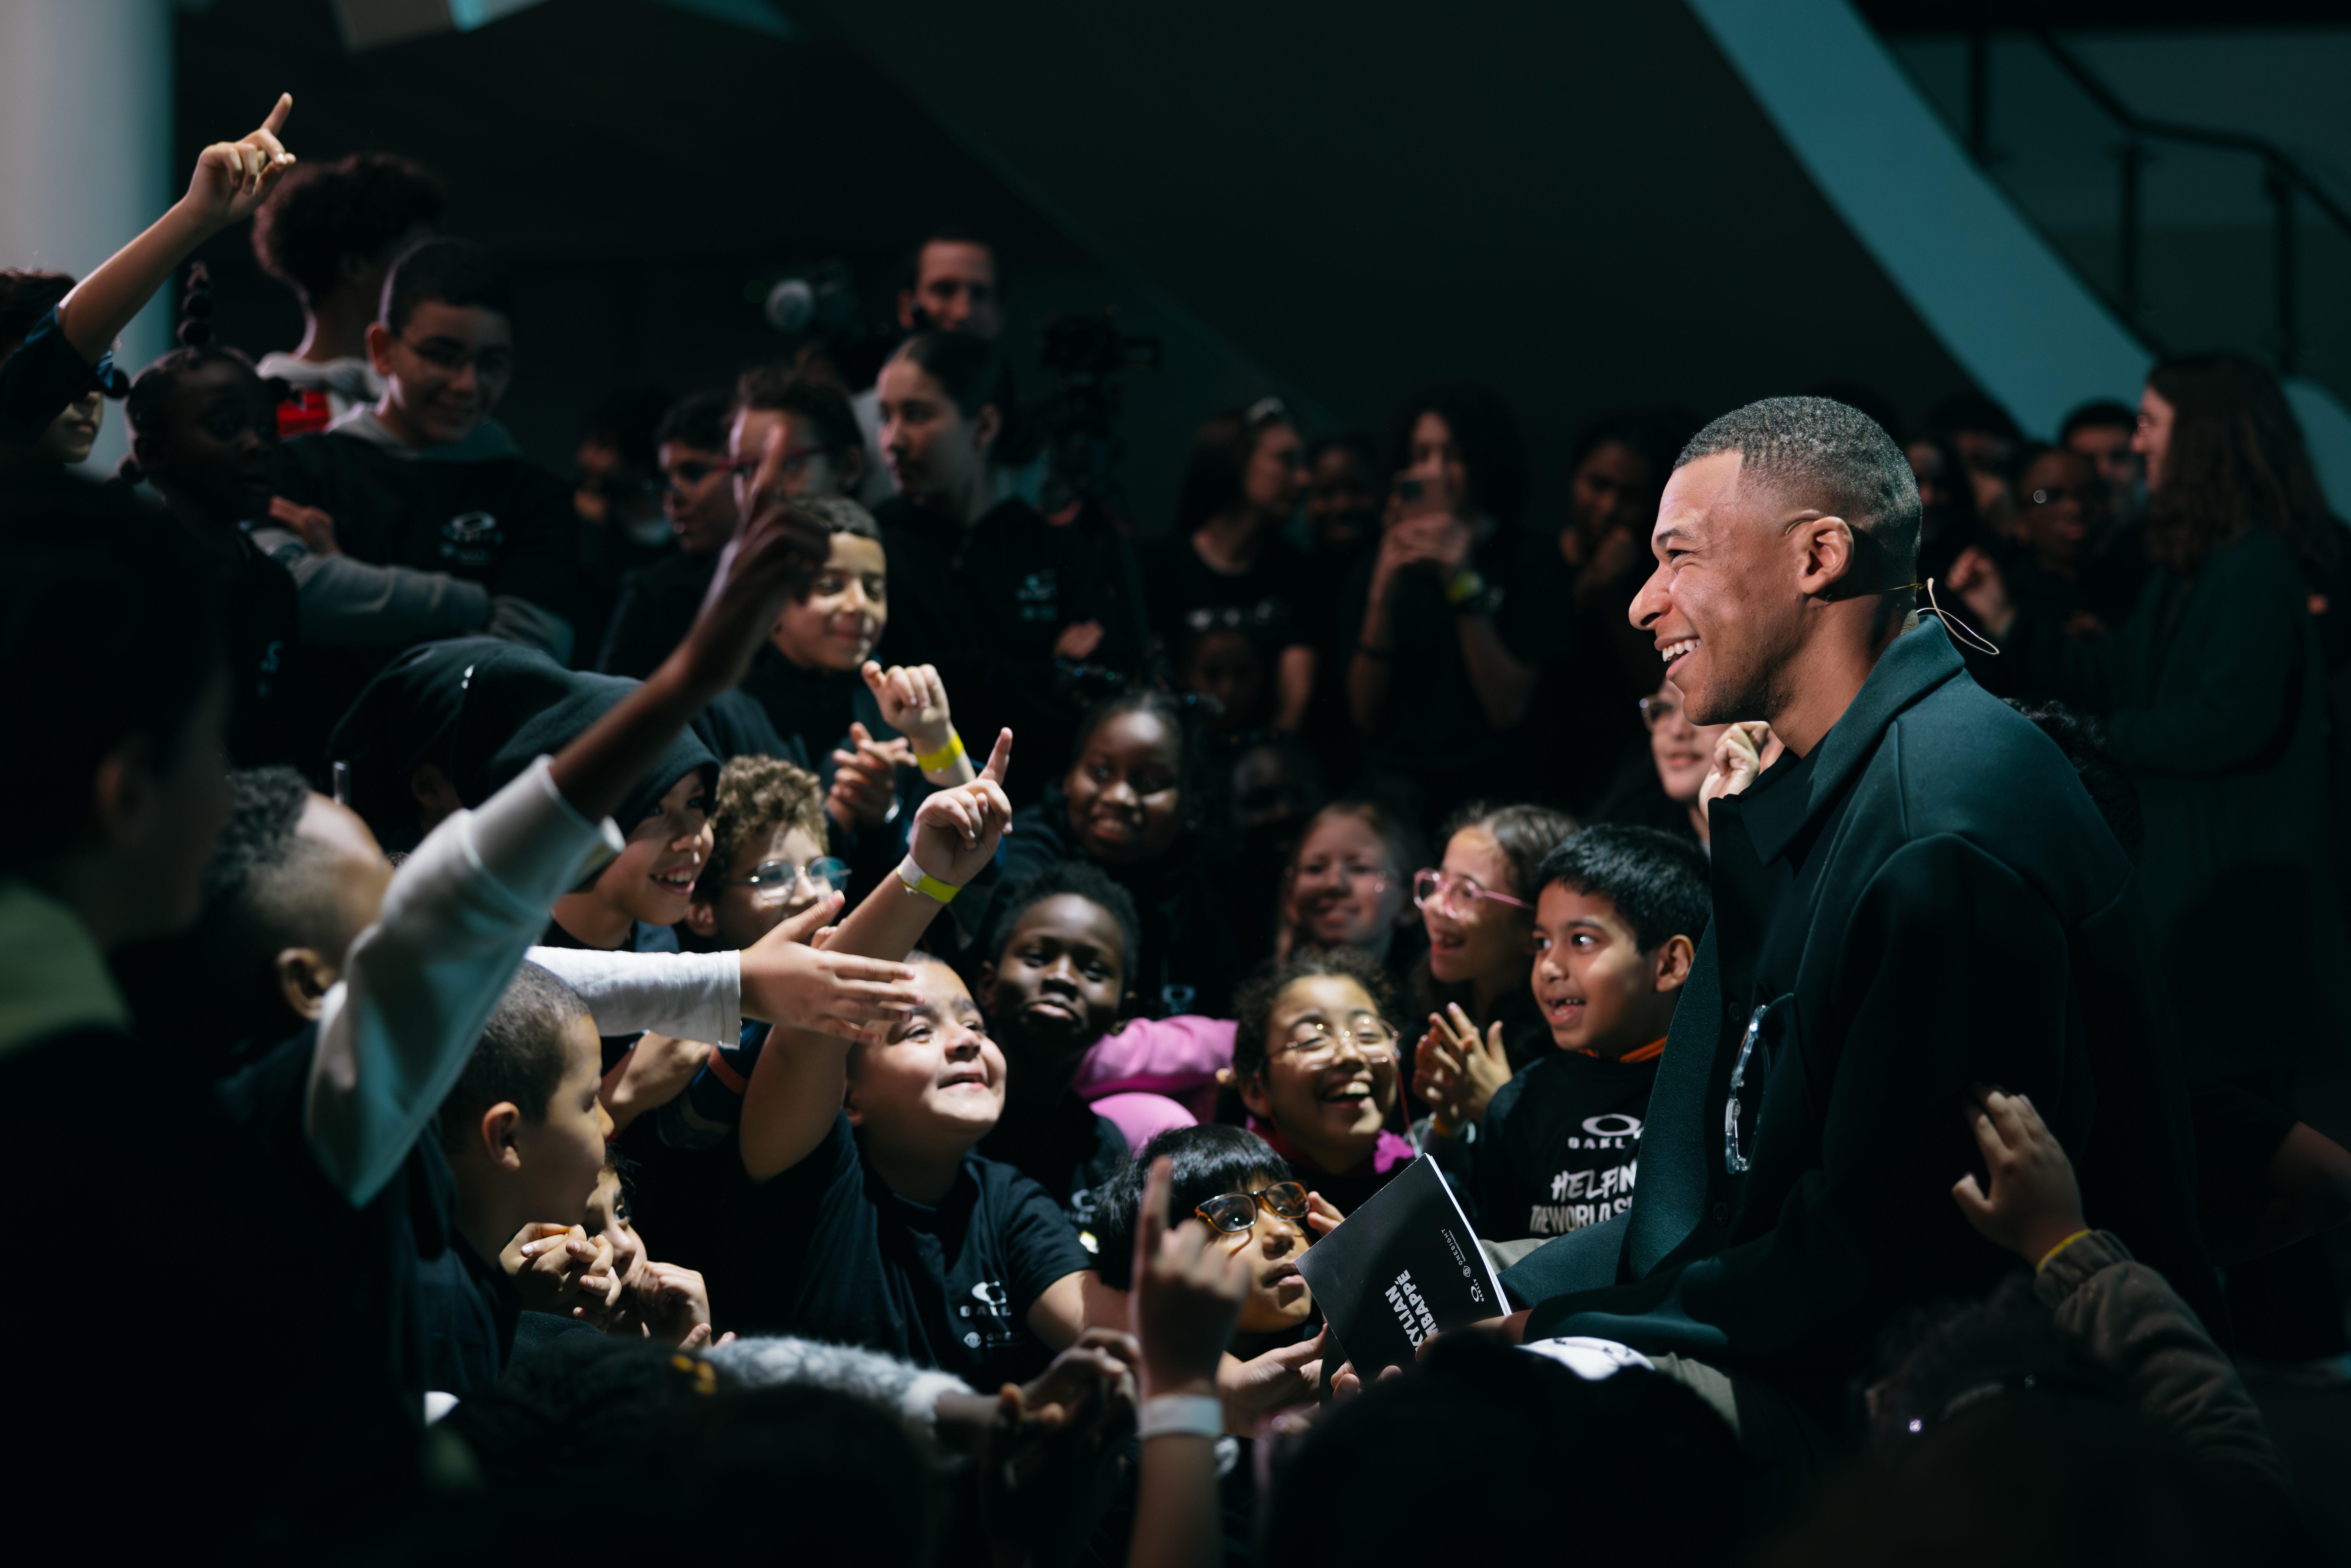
{"x": 830, "y": 1043}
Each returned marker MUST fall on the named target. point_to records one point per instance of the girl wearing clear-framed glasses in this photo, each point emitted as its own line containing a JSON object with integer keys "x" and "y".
{"x": 1477, "y": 905}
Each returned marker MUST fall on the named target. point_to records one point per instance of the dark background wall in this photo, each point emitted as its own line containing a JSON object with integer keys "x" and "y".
{"x": 1579, "y": 205}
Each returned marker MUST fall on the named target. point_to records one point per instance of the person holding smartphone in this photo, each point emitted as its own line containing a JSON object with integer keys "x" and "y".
{"x": 1456, "y": 613}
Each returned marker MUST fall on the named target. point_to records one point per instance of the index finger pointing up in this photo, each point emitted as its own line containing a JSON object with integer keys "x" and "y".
{"x": 999, "y": 758}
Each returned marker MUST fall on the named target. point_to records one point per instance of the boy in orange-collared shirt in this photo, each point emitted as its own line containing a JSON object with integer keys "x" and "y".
{"x": 1617, "y": 929}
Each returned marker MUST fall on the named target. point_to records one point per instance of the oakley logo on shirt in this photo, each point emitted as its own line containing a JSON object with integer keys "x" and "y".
{"x": 471, "y": 539}
{"x": 989, "y": 1316}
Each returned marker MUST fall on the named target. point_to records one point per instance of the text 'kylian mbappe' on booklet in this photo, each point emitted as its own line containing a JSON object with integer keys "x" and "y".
{"x": 1402, "y": 1267}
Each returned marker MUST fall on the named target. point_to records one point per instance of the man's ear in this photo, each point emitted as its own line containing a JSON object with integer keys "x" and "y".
{"x": 907, "y": 309}
{"x": 848, "y": 1104}
{"x": 501, "y": 1131}
{"x": 379, "y": 346}
{"x": 853, "y": 467}
{"x": 304, "y": 979}
{"x": 984, "y": 993}
{"x": 1675, "y": 956}
{"x": 701, "y": 917}
{"x": 1828, "y": 554}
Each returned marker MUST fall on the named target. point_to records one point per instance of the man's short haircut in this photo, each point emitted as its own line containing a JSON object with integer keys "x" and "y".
{"x": 1205, "y": 1162}
{"x": 698, "y": 421}
{"x": 2103, "y": 414}
{"x": 1657, "y": 881}
{"x": 445, "y": 272}
{"x": 909, "y": 268}
{"x": 68, "y": 547}
{"x": 1077, "y": 879}
{"x": 756, "y": 796}
{"x": 782, "y": 389}
{"x": 321, "y": 213}
{"x": 522, "y": 1054}
{"x": 1825, "y": 456}
{"x": 1253, "y": 1002}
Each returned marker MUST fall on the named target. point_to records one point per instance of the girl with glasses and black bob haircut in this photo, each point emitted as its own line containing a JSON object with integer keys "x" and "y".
{"x": 1315, "y": 1063}
{"x": 1132, "y": 802}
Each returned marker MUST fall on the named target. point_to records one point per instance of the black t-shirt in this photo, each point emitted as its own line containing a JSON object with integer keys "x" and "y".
{"x": 366, "y": 1277}
{"x": 261, "y": 619}
{"x": 987, "y": 605}
{"x": 502, "y": 522}
{"x": 1561, "y": 1145}
{"x": 1272, "y": 603}
{"x": 470, "y": 1312}
{"x": 658, "y": 604}
{"x": 1070, "y": 1157}
{"x": 829, "y": 1252}
{"x": 1434, "y": 724}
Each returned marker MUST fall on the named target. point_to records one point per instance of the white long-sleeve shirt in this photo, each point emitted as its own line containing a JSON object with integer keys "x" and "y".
{"x": 694, "y": 996}
{"x": 419, "y": 984}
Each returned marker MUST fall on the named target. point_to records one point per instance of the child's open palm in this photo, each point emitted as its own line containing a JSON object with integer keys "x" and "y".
{"x": 232, "y": 178}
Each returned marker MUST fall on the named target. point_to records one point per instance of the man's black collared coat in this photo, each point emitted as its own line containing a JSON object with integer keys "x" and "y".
{"x": 1929, "y": 900}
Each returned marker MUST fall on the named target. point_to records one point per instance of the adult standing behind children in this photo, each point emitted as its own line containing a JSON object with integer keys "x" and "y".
{"x": 425, "y": 481}
{"x": 331, "y": 232}
{"x": 1226, "y": 573}
{"x": 988, "y": 591}
{"x": 1455, "y": 614}
{"x": 1915, "y": 836}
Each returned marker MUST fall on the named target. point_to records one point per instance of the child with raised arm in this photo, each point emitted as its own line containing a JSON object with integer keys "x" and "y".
{"x": 2112, "y": 1313}
{"x": 878, "y": 1224}
{"x": 71, "y": 351}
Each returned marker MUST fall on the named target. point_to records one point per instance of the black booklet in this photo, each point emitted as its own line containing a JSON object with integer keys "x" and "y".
{"x": 1402, "y": 1267}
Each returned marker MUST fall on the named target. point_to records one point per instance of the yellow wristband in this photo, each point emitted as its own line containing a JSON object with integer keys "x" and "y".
{"x": 1468, "y": 582}
{"x": 2053, "y": 1252}
{"x": 915, "y": 879}
{"x": 944, "y": 758}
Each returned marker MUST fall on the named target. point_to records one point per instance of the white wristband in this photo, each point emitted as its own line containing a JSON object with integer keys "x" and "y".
{"x": 1180, "y": 1416}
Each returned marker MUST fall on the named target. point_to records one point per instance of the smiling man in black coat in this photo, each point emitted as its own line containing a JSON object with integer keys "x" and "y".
{"x": 1917, "y": 896}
